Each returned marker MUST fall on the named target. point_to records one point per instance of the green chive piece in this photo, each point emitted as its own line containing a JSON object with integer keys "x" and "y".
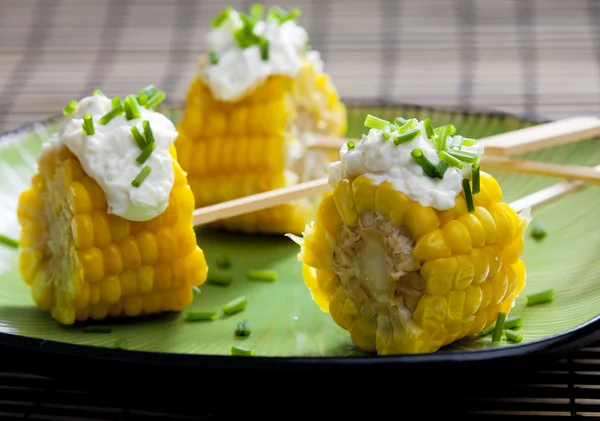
{"x": 10, "y": 242}
{"x": 428, "y": 167}
{"x": 131, "y": 107}
{"x": 513, "y": 336}
{"x": 200, "y": 316}
{"x": 138, "y": 137}
{"x": 240, "y": 351}
{"x": 98, "y": 92}
{"x": 400, "y": 121}
{"x": 235, "y": 306}
{"x": 155, "y": 99}
{"x": 142, "y": 99}
{"x": 456, "y": 143}
{"x": 68, "y": 110}
{"x": 243, "y": 329}
{"x": 386, "y": 135}
{"x": 406, "y": 137}
{"x": 538, "y": 230}
{"x": 221, "y": 17}
{"x": 292, "y": 15}
{"x": 450, "y": 160}
{"x": 121, "y": 343}
{"x": 449, "y": 127}
{"x": 476, "y": 179}
{"x": 143, "y": 157}
{"x": 148, "y": 131}
{"x": 256, "y": 11}
{"x": 88, "y": 124}
{"x": 409, "y": 125}
{"x": 223, "y": 262}
{"x": 468, "y": 141}
{"x": 148, "y": 90}
{"x": 262, "y": 275}
{"x": 487, "y": 330}
{"x": 441, "y": 168}
{"x": 110, "y": 115}
{"x": 468, "y": 195}
{"x": 219, "y": 278}
{"x": 373, "y": 122}
{"x": 428, "y": 128}
{"x": 513, "y": 322}
{"x": 468, "y": 157}
{"x": 441, "y": 140}
{"x": 264, "y": 49}
{"x": 213, "y": 57}
{"x": 497, "y": 335}
{"x": 97, "y": 329}
{"x": 145, "y": 172}
{"x": 540, "y": 298}
{"x": 351, "y": 145}
{"x": 116, "y": 102}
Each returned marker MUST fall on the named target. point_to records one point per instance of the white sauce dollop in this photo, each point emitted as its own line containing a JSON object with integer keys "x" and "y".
{"x": 238, "y": 70}
{"x": 380, "y": 160}
{"x": 109, "y": 157}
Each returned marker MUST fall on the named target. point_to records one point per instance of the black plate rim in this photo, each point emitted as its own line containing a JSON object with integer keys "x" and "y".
{"x": 553, "y": 347}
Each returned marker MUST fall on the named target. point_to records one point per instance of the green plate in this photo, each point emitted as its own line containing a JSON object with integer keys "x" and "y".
{"x": 285, "y": 322}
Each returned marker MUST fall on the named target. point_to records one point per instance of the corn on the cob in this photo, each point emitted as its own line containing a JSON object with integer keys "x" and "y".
{"x": 82, "y": 262}
{"x": 402, "y": 277}
{"x": 257, "y": 142}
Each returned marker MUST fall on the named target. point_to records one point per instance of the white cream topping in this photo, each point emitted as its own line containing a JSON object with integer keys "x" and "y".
{"x": 381, "y": 160}
{"x": 239, "y": 70}
{"x": 109, "y": 157}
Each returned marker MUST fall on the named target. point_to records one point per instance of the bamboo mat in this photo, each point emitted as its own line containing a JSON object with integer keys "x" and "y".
{"x": 539, "y": 58}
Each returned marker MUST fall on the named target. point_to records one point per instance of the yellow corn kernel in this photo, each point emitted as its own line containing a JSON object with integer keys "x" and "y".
{"x": 364, "y": 192}
{"x": 465, "y": 272}
{"x": 83, "y": 231}
{"x": 479, "y": 322}
{"x": 473, "y": 300}
{"x": 391, "y": 203}
{"x": 519, "y": 269}
{"x": 327, "y": 281}
{"x": 95, "y": 192}
{"x": 432, "y": 245}
{"x": 486, "y": 294}
{"x": 438, "y": 275}
{"x": 317, "y": 250}
{"x": 128, "y": 283}
{"x": 146, "y": 242}
{"x": 119, "y": 228}
{"x": 110, "y": 289}
{"x": 456, "y": 305}
{"x": 344, "y": 201}
{"x": 491, "y": 185}
{"x": 494, "y": 259}
{"x": 475, "y": 228}
{"x": 420, "y": 220}
{"x": 363, "y": 334}
{"x": 458, "y": 237}
{"x": 431, "y": 312}
{"x": 101, "y": 226}
{"x": 489, "y": 226}
{"x": 79, "y": 200}
{"x": 30, "y": 262}
{"x": 499, "y": 287}
{"x": 92, "y": 263}
{"x": 328, "y": 216}
{"x": 113, "y": 260}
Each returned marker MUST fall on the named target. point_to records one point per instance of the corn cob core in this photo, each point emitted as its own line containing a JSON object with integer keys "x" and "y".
{"x": 234, "y": 149}
{"x": 83, "y": 263}
{"x": 404, "y": 278}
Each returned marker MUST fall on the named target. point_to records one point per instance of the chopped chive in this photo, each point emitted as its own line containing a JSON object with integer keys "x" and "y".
{"x": 264, "y": 49}
{"x": 406, "y": 137}
{"x": 373, "y": 122}
{"x": 351, "y": 145}
{"x": 235, "y": 306}
{"x": 540, "y": 297}
{"x": 98, "y": 92}
{"x": 219, "y": 278}
{"x": 145, "y": 154}
{"x": 116, "y": 102}
{"x": 148, "y": 131}
{"x": 213, "y": 57}
{"x": 88, "y": 124}
{"x": 145, "y": 172}
{"x": 386, "y": 135}
{"x": 11, "y": 242}
{"x": 513, "y": 336}
{"x": 409, "y": 125}
{"x": 399, "y": 121}
{"x": 441, "y": 168}
{"x": 428, "y": 128}
{"x": 221, "y": 17}
{"x": 449, "y": 128}
{"x": 468, "y": 195}
{"x": 450, "y": 160}
{"x": 223, "y": 262}
{"x": 538, "y": 230}
{"x": 200, "y": 316}
{"x": 97, "y": 329}
{"x": 441, "y": 140}
{"x": 155, "y": 99}
{"x": 291, "y": 15}
{"x": 243, "y": 329}
{"x": 138, "y": 137}
{"x": 148, "y": 90}
{"x": 262, "y": 275}
{"x": 68, "y": 110}
{"x": 476, "y": 178}
{"x": 428, "y": 167}
{"x": 468, "y": 157}
{"x": 513, "y": 322}
{"x": 487, "y": 330}
{"x": 142, "y": 99}
{"x": 131, "y": 107}
{"x": 468, "y": 141}
{"x": 497, "y": 335}
{"x": 256, "y": 11}
{"x": 240, "y": 351}
{"x": 121, "y": 343}
{"x": 110, "y": 115}
{"x": 456, "y": 143}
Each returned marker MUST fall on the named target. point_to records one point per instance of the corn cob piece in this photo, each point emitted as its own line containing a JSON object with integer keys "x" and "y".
{"x": 82, "y": 262}
{"x": 257, "y": 142}
{"x": 404, "y": 278}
